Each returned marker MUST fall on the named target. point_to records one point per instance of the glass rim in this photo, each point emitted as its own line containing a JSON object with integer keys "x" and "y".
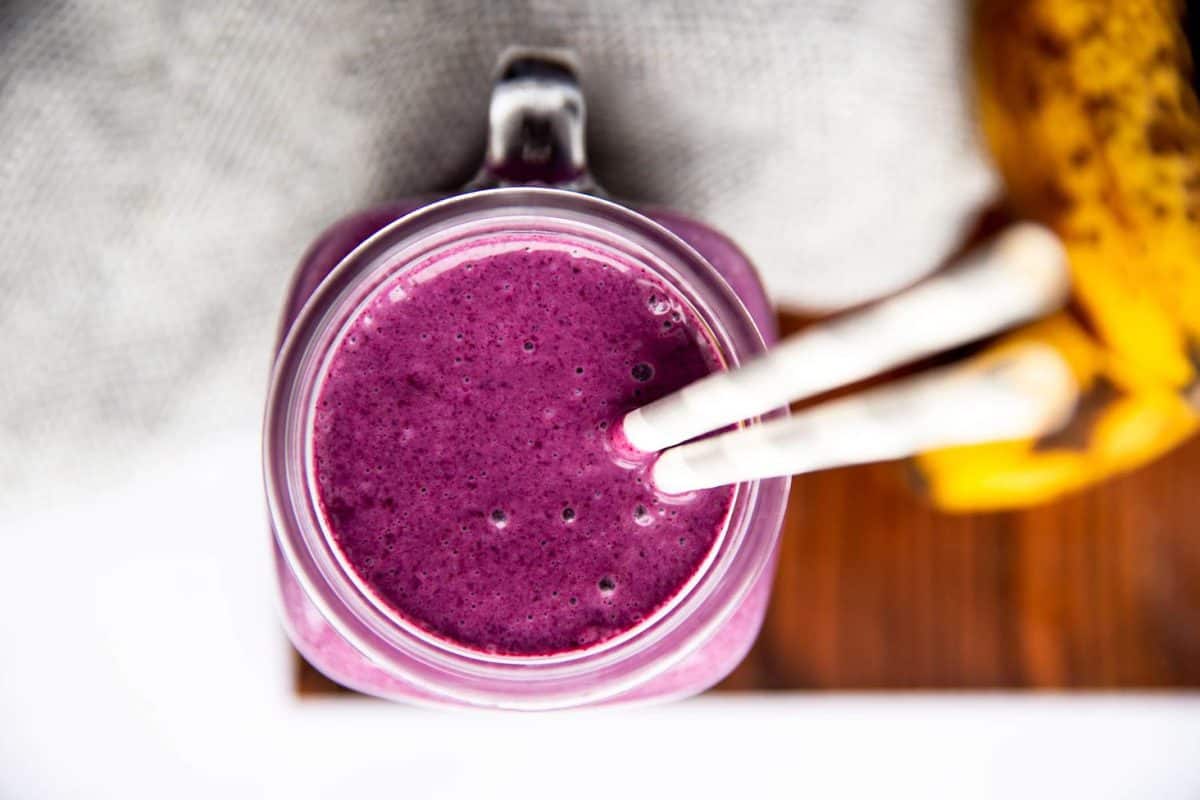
{"x": 437, "y": 665}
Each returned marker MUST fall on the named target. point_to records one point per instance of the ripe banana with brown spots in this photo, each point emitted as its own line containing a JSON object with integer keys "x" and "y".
{"x": 1090, "y": 117}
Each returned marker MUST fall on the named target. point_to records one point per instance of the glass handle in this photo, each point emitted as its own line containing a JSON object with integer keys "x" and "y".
{"x": 536, "y": 124}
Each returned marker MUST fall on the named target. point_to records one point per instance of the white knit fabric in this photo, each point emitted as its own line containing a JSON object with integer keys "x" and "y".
{"x": 165, "y": 164}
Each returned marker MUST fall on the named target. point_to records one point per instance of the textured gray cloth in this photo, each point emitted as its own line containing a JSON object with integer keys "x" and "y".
{"x": 165, "y": 164}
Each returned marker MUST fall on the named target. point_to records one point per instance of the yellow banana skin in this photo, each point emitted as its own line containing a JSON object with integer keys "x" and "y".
{"x": 1122, "y": 421}
{"x": 1088, "y": 112}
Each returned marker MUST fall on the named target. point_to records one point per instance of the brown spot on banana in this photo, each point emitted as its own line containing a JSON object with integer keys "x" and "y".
{"x": 1058, "y": 201}
{"x": 1191, "y": 392}
{"x": 1077, "y": 433}
{"x": 1050, "y": 45}
{"x": 1080, "y": 157}
{"x": 1166, "y": 136}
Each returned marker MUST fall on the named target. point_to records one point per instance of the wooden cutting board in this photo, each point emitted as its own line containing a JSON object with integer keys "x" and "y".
{"x": 876, "y": 590}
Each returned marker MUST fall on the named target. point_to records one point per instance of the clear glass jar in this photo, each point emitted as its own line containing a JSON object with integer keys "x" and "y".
{"x": 688, "y": 645}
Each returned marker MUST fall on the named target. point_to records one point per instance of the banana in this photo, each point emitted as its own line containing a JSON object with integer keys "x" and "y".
{"x": 1122, "y": 421}
{"x": 1088, "y": 113}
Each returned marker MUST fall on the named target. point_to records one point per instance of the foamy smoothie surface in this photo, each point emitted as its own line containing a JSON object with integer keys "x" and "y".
{"x": 463, "y": 454}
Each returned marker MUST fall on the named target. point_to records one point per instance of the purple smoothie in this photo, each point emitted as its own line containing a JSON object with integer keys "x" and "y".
{"x": 462, "y": 455}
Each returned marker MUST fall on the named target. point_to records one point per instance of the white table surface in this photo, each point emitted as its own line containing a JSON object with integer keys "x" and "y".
{"x": 142, "y": 658}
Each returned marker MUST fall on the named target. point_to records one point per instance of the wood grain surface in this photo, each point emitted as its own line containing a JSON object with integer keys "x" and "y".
{"x": 877, "y": 590}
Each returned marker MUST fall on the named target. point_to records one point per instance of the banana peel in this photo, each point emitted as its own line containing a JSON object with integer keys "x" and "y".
{"x": 1122, "y": 420}
{"x": 1089, "y": 115}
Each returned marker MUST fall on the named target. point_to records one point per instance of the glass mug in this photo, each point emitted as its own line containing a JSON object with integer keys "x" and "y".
{"x": 534, "y": 179}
